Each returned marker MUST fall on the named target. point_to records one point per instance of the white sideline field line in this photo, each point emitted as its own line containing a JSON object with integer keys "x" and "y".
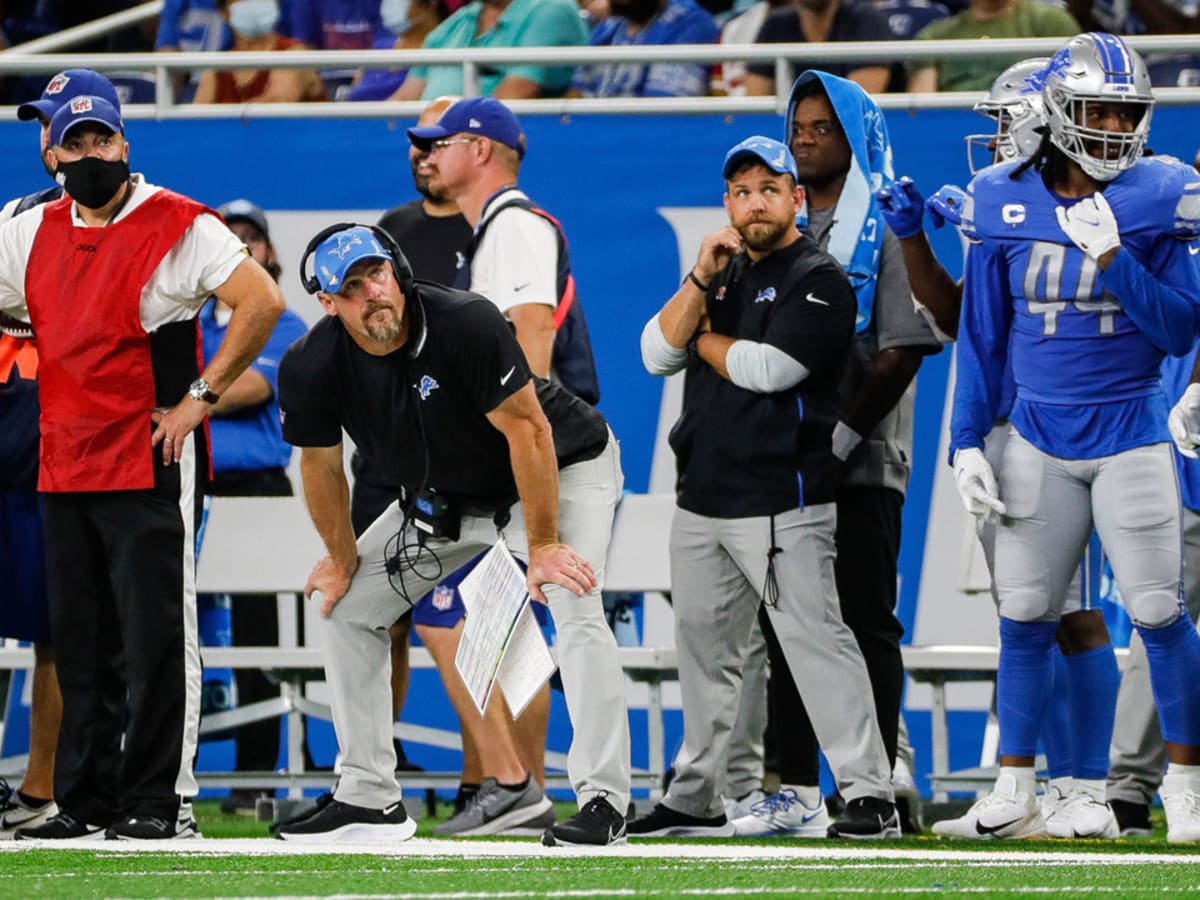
{"x": 470, "y": 849}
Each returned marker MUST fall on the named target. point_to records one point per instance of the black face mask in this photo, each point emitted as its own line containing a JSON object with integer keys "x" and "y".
{"x": 92, "y": 181}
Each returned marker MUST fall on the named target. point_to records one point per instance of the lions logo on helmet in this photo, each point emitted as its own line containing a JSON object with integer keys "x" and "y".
{"x": 1014, "y": 102}
{"x": 1097, "y": 68}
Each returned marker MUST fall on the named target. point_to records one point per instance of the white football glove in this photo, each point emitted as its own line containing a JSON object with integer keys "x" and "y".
{"x": 1091, "y": 225}
{"x": 1184, "y": 422}
{"x": 977, "y": 484}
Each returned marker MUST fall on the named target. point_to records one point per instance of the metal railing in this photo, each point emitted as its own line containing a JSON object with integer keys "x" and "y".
{"x": 26, "y": 59}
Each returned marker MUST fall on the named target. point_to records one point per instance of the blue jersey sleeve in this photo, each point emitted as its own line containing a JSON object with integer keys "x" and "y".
{"x": 982, "y": 348}
{"x": 1164, "y": 303}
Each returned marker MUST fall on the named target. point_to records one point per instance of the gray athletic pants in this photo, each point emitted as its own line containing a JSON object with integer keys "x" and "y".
{"x": 718, "y": 578}
{"x": 1133, "y": 499}
{"x": 356, "y": 647}
{"x": 744, "y": 772}
{"x": 993, "y": 450}
{"x": 1138, "y": 755}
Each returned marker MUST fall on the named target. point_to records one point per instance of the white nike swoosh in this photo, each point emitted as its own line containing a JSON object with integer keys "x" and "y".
{"x": 504, "y": 380}
{"x": 811, "y": 299}
{"x": 1193, "y": 250}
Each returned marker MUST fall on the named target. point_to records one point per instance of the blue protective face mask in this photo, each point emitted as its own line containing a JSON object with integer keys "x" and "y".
{"x": 394, "y": 15}
{"x": 253, "y": 18}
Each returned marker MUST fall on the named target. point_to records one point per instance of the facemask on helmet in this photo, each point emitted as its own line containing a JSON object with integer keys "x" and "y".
{"x": 1097, "y": 68}
{"x": 1014, "y": 102}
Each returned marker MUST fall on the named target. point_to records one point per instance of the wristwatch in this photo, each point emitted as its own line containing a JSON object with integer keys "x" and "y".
{"x": 198, "y": 390}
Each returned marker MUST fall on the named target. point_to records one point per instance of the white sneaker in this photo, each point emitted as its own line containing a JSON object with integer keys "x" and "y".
{"x": 1082, "y": 816}
{"x": 735, "y": 809}
{"x": 1058, "y": 792}
{"x": 784, "y": 814}
{"x": 1181, "y": 802}
{"x": 16, "y": 813}
{"x": 1003, "y": 813}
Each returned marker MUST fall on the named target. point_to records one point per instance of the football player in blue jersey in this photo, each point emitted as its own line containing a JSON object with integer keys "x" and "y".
{"x": 1079, "y": 280}
{"x": 1077, "y": 723}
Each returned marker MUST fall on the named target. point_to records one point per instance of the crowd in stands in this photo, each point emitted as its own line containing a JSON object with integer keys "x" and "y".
{"x": 199, "y": 25}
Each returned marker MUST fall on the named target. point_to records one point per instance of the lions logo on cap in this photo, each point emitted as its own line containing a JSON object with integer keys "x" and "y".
{"x": 57, "y": 84}
{"x": 81, "y": 105}
{"x": 344, "y": 243}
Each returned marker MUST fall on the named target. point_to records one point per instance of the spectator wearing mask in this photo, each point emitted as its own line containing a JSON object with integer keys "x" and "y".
{"x": 254, "y": 24}
{"x": 404, "y": 26}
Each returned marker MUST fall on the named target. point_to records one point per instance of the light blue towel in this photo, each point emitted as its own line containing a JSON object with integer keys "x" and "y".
{"x": 856, "y": 238}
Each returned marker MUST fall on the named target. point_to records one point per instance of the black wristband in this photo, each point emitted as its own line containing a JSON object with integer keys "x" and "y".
{"x": 693, "y": 348}
{"x": 691, "y": 276}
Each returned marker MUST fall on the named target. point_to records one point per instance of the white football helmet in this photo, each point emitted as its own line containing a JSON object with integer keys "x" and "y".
{"x": 1014, "y": 102}
{"x": 1097, "y": 68}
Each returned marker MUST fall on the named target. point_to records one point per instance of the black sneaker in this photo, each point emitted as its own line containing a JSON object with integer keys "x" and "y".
{"x": 319, "y": 804}
{"x": 154, "y": 828}
{"x": 910, "y": 821}
{"x": 598, "y": 824}
{"x": 662, "y": 821}
{"x": 867, "y": 818}
{"x": 1132, "y": 818}
{"x": 337, "y": 821}
{"x": 60, "y": 828}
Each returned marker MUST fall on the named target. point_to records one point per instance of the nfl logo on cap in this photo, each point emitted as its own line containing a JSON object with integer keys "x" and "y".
{"x": 81, "y": 105}
{"x": 57, "y": 84}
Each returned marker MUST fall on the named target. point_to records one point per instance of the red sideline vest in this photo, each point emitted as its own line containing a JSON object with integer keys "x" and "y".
{"x": 83, "y": 288}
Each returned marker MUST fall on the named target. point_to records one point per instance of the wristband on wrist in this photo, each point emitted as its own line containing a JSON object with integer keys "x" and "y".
{"x": 691, "y": 276}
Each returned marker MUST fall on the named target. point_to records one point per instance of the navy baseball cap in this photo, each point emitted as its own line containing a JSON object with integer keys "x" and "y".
{"x": 483, "y": 116}
{"x": 83, "y": 109}
{"x": 242, "y": 210}
{"x": 338, "y": 252}
{"x": 758, "y": 149}
{"x": 67, "y": 85}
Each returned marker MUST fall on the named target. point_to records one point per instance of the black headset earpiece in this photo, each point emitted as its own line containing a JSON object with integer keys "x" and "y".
{"x": 310, "y": 283}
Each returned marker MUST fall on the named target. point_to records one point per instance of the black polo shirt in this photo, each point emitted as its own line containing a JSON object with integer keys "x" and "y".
{"x": 423, "y": 419}
{"x": 741, "y": 453}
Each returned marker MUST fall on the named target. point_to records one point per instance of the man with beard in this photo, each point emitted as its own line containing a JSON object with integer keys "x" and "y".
{"x": 111, "y": 277}
{"x": 840, "y": 144}
{"x": 763, "y": 325}
{"x": 431, "y": 229}
{"x": 646, "y": 22}
{"x": 507, "y": 456}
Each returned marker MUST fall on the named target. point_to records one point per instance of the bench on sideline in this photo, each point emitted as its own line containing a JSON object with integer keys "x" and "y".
{"x": 266, "y": 545}
{"x": 933, "y": 665}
